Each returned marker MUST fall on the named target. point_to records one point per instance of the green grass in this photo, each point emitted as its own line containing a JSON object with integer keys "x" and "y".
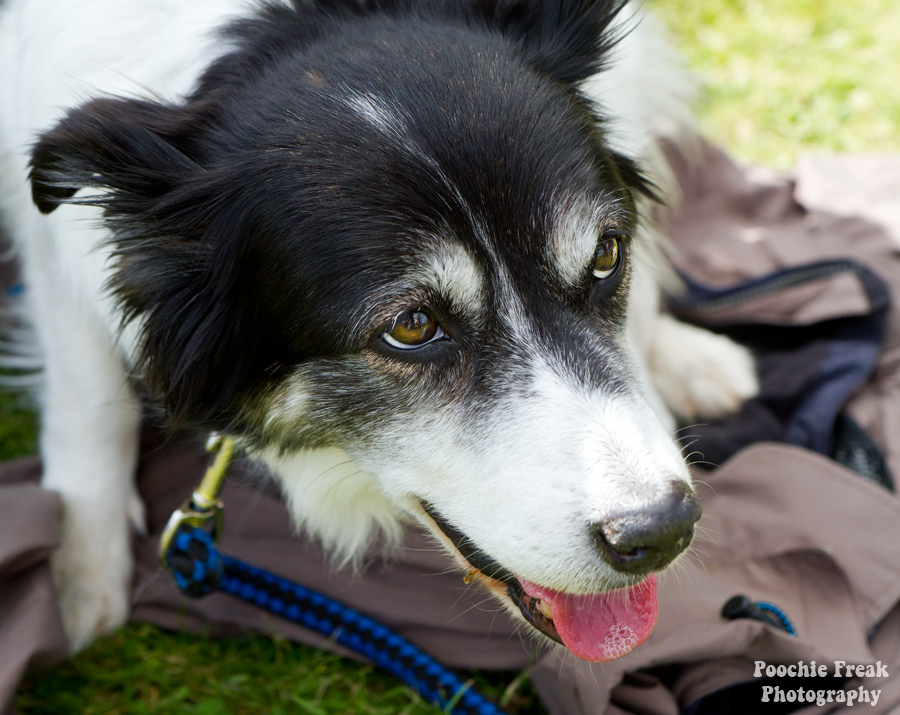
{"x": 781, "y": 77}
{"x": 789, "y": 76}
{"x": 141, "y": 670}
{"x": 18, "y": 427}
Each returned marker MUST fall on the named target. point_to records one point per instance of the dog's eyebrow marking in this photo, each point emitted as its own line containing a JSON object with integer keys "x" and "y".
{"x": 442, "y": 268}
{"x": 452, "y": 272}
{"x": 574, "y": 237}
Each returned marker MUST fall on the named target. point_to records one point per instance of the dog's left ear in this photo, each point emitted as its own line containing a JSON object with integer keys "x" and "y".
{"x": 568, "y": 39}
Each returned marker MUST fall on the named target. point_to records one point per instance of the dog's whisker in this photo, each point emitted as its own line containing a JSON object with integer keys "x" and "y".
{"x": 694, "y": 439}
{"x": 687, "y": 427}
{"x": 323, "y": 473}
{"x": 705, "y": 484}
{"x": 706, "y": 539}
{"x": 487, "y": 600}
{"x": 695, "y": 558}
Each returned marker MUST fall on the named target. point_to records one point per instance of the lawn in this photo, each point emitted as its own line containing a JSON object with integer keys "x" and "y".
{"x": 780, "y": 78}
{"x": 141, "y": 670}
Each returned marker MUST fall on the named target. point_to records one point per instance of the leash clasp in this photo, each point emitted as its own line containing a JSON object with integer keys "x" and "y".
{"x": 202, "y": 509}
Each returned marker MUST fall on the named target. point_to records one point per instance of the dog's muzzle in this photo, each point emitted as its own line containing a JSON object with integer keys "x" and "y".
{"x": 603, "y": 626}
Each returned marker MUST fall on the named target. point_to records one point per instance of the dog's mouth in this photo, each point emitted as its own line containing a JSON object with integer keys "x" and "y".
{"x": 596, "y": 627}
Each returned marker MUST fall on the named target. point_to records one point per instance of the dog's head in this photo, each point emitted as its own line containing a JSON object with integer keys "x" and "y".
{"x": 398, "y": 232}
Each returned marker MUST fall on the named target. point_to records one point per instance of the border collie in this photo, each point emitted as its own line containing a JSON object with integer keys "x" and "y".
{"x": 399, "y": 249}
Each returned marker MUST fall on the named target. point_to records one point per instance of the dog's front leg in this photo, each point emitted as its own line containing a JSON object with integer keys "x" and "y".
{"x": 700, "y": 375}
{"x": 89, "y": 442}
{"x": 687, "y": 371}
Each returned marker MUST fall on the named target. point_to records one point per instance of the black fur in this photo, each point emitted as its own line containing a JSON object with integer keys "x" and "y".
{"x": 565, "y": 39}
{"x": 255, "y": 224}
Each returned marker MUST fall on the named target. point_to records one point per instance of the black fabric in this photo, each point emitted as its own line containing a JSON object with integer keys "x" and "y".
{"x": 855, "y": 450}
{"x": 806, "y": 372}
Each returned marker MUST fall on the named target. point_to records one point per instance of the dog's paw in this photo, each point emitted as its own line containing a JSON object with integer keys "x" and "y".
{"x": 700, "y": 375}
{"x": 92, "y": 574}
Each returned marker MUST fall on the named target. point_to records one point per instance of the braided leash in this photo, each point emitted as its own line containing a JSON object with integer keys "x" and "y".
{"x": 188, "y": 550}
{"x": 779, "y": 614}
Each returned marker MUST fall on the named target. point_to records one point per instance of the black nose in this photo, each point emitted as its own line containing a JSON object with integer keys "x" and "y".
{"x": 648, "y": 540}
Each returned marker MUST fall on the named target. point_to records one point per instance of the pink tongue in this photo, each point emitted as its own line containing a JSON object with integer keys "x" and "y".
{"x": 602, "y": 626}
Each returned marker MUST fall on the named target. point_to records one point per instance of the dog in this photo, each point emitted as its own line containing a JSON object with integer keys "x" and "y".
{"x": 401, "y": 250}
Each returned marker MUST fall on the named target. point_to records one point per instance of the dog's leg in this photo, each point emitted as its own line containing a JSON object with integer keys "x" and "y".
{"x": 89, "y": 442}
{"x": 643, "y": 312}
{"x": 696, "y": 374}
{"x": 700, "y": 375}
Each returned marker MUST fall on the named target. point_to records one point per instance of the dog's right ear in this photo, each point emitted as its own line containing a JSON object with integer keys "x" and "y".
{"x": 570, "y": 40}
{"x": 130, "y": 147}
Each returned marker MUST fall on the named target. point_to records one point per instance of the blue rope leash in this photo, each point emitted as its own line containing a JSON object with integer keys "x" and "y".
{"x": 740, "y": 606}
{"x": 199, "y": 569}
{"x": 779, "y": 614}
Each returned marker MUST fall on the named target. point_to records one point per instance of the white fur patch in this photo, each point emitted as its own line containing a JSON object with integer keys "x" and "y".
{"x": 332, "y": 498}
{"x": 451, "y": 271}
{"x": 646, "y": 92}
{"x": 574, "y": 239}
{"x": 375, "y": 111}
{"x": 287, "y": 404}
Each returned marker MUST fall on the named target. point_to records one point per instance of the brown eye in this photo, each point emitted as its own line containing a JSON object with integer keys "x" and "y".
{"x": 607, "y": 258}
{"x": 413, "y": 329}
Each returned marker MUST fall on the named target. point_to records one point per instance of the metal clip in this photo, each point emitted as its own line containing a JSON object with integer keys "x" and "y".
{"x": 203, "y": 508}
